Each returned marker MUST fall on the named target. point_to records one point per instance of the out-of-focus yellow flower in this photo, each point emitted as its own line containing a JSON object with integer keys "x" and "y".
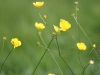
{"x": 4, "y": 38}
{"x": 38, "y": 4}
{"x": 15, "y": 42}
{"x": 39, "y": 26}
{"x": 51, "y": 74}
{"x": 45, "y": 16}
{"x": 81, "y": 46}
{"x": 64, "y": 25}
{"x": 57, "y": 29}
{"x": 93, "y": 45}
{"x": 73, "y": 14}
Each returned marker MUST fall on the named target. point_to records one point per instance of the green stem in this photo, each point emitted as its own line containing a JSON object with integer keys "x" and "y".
{"x": 50, "y": 52}
{"x": 62, "y": 57}
{"x": 88, "y": 39}
{"x": 77, "y": 26}
{"x": 72, "y": 36}
{"x": 39, "y": 34}
{"x": 87, "y": 60}
{"x": 45, "y": 23}
{"x": 56, "y": 63}
{"x": 2, "y": 50}
{"x": 83, "y": 31}
{"x": 6, "y": 59}
{"x": 57, "y": 46}
{"x": 42, "y": 56}
{"x": 66, "y": 64}
{"x": 49, "y": 49}
{"x": 80, "y": 59}
{"x": 85, "y": 69}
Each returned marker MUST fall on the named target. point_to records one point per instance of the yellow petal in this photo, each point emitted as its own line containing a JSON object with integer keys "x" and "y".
{"x": 38, "y": 4}
{"x": 15, "y": 42}
{"x": 39, "y": 26}
{"x": 64, "y": 25}
{"x": 56, "y": 28}
{"x": 81, "y": 46}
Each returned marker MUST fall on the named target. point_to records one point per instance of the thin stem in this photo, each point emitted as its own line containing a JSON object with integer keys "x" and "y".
{"x": 51, "y": 53}
{"x": 48, "y": 49}
{"x": 76, "y": 12}
{"x": 77, "y": 26}
{"x": 57, "y": 46}
{"x": 6, "y": 59}
{"x": 88, "y": 39}
{"x": 91, "y": 51}
{"x": 99, "y": 69}
{"x": 42, "y": 56}
{"x": 62, "y": 57}
{"x": 80, "y": 59}
{"x": 83, "y": 30}
{"x": 56, "y": 63}
{"x": 72, "y": 36}
{"x": 87, "y": 60}
{"x": 86, "y": 36}
{"x": 2, "y": 50}
{"x": 66, "y": 64}
{"x": 42, "y": 19}
{"x": 85, "y": 69}
{"x": 39, "y": 34}
{"x": 45, "y": 23}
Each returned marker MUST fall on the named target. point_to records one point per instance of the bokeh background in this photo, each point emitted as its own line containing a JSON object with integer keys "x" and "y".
{"x": 17, "y": 18}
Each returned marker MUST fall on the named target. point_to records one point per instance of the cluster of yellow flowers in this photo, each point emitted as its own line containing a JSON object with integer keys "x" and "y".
{"x": 64, "y": 26}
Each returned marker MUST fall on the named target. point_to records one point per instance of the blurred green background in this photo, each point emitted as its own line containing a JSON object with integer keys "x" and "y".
{"x": 17, "y": 18}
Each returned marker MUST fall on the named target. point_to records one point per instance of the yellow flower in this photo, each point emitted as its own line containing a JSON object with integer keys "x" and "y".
{"x": 45, "y": 16}
{"x": 93, "y": 45}
{"x": 51, "y": 74}
{"x": 56, "y": 28}
{"x": 38, "y": 4}
{"x": 15, "y": 42}
{"x": 64, "y": 25}
{"x": 81, "y": 46}
{"x": 39, "y": 26}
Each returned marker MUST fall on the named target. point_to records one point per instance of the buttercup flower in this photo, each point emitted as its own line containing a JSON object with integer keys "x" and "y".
{"x": 15, "y": 42}
{"x": 39, "y": 26}
{"x": 57, "y": 29}
{"x": 81, "y": 46}
{"x": 64, "y": 25}
{"x": 44, "y": 16}
{"x": 93, "y": 45}
{"x": 38, "y": 4}
{"x": 51, "y": 74}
